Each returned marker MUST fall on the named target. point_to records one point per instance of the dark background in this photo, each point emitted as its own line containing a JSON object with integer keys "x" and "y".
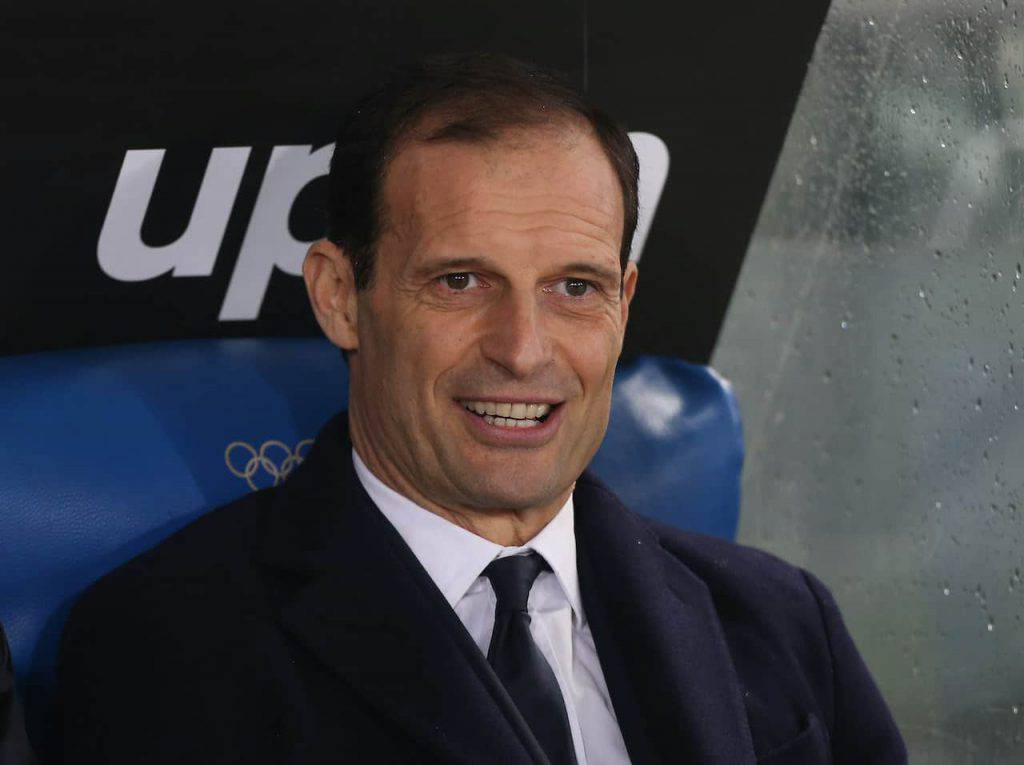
{"x": 82, "y": 84}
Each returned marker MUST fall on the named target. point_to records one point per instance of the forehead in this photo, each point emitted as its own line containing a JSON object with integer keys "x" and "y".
{"x": 529, "y": 178}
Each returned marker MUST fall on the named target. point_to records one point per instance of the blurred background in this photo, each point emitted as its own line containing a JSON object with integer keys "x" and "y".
{"x": 840, "y": 233}
{"x": 876, "y": 341}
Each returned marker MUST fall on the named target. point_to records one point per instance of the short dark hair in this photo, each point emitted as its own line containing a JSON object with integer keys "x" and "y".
{"x": 477, "y": 97}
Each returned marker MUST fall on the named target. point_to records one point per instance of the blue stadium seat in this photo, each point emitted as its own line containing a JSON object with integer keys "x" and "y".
{"x": 106, "y": 451}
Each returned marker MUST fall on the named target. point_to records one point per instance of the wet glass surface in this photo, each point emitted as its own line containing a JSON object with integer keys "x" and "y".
{"x": 876, "y": 342}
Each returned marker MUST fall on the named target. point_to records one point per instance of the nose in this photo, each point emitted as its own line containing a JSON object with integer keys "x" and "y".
{"x": 516, "y": 338}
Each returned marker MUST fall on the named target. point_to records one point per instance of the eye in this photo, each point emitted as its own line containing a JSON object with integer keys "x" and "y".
{"x": 459, "y": 282}
{"x": 575, "y": 288}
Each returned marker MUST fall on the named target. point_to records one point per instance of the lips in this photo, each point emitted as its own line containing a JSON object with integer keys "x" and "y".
{"x": 509, "y": 414}
{"x": 521, "y": 423}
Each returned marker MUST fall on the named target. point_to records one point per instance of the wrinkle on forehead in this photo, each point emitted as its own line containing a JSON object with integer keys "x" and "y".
{"x": 531, "y": 181}
{"x": 530, "y": 216}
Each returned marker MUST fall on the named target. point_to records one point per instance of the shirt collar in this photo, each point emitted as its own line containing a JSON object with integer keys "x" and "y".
{"x": 454, "y": 557}
{"x": 556, "y": 543}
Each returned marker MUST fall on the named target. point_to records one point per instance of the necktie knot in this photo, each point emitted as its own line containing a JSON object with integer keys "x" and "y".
{"x": 513, "y": 577}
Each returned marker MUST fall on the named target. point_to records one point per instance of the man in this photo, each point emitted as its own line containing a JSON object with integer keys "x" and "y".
{"x": 441, "y": 581}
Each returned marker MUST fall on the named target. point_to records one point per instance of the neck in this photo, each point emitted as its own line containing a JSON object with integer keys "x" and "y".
{"x": 505, "y": 527}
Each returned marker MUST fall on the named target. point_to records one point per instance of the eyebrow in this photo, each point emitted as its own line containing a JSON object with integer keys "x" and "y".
{"x": 471, "y": 263}
{"x": 464, "y": 263}
{"x": 600, "y": 273}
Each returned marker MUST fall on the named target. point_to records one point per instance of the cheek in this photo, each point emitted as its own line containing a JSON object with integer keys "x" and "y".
{"x": 392, "y": 349}
{"x": 593, "y": 356}
{"x": 431, "y": 350}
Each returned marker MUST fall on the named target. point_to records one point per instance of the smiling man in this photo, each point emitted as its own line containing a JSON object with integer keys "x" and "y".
{"x": 441, "y": 580}
{"x": 492, "y": 318}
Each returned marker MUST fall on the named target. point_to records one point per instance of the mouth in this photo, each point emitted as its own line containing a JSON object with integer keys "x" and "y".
{"x": 508, "y": 414}
{"x": 518, "y": 424}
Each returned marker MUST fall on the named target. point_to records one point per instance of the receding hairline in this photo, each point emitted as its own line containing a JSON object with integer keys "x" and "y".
{"x": 470, "y": 98}
{"x": 435, "y": 127}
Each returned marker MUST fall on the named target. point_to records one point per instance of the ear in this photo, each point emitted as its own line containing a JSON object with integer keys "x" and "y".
{"x": 629, "y": 280}
{"x": 331, "y": 285}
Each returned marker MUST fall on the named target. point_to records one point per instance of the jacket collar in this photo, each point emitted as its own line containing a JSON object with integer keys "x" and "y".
{"x": 662, "y": 648}
{"x": 365, "y": 606}
{"x": 455, "y": 557}
{"x": 367, "y": 609}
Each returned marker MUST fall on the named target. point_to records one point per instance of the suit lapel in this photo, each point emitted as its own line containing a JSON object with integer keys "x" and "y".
{"x": 662, "y": 649}
{"x": 371, "y": 614}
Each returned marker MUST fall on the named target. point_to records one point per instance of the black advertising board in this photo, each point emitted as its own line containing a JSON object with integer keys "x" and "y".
{"x": 162, "y": 166}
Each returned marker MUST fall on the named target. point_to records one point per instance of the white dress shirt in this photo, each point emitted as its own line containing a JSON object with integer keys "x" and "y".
{"x": 455, "y": 559}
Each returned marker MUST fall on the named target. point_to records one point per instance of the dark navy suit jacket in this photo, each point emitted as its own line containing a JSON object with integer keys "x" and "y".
{"x": 14, "y": 746}
{"x": 295, "y": 626}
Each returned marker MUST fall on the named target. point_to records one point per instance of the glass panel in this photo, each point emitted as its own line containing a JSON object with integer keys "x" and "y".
{"x": 876, "y": 342}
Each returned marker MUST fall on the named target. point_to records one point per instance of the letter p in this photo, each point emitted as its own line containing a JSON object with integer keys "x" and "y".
{"x": 268, "y": 241}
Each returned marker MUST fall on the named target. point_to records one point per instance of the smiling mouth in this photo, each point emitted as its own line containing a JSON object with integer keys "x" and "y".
{"x": 510, "y": 415}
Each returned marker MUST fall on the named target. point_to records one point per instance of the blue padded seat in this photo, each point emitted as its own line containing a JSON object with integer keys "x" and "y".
{"x": 106, "y": 451}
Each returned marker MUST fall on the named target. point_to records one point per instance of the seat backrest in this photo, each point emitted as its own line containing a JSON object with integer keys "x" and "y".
{"x": 104, "y": 452}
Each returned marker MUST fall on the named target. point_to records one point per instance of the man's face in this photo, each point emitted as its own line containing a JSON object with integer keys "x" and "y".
{"x": 489, "y": 336}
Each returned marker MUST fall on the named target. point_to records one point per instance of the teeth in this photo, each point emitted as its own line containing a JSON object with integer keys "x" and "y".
{"x": 508, "y": 422}
{"x": 515, "y": 415}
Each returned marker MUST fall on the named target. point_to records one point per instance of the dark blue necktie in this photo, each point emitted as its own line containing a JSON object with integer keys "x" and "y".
{"x": 518, "y": 662}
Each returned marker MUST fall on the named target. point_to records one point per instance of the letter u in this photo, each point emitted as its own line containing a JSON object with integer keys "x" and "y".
{"x": 121, "y": 252}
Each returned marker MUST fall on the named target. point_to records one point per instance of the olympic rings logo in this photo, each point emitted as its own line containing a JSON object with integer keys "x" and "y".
{"x": 274, "y": 457}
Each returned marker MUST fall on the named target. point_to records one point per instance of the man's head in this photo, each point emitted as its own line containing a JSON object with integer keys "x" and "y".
{"x": 476, "y": 266}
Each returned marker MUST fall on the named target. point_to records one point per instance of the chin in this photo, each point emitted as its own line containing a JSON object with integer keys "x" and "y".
{"x": 511, "y": 494}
